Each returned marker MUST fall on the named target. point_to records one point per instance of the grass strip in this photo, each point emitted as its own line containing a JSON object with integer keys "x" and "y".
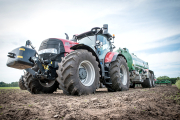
{"x": 9, "y": 88}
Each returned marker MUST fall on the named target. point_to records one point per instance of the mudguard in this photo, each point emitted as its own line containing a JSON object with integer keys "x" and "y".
{"x": 110, "y": 57}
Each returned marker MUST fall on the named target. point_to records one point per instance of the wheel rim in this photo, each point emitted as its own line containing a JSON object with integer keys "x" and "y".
{"x": 150, "y": 82}
{"x": 46, "y": 83}
{"x": 123, "y": 74}
{"x": 150, "y": 79}
{"x": 153, "y": 82}
{"x": 86, "y": 73}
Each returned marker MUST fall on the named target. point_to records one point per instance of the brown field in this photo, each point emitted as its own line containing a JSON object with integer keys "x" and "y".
{"x": 159, "y": 103}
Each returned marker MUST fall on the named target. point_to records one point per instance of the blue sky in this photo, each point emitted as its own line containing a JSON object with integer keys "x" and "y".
{"x": 150, "y": 29}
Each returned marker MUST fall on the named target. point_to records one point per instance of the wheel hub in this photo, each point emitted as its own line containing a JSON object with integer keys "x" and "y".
{"x": 46, "y": 83}
{"x": 82, "y": 73}
{"x": 86, "y": 73}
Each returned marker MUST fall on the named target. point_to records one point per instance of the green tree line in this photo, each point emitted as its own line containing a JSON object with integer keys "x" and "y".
{"x": 173, "y": 80}
{"x": 12, "y": 84}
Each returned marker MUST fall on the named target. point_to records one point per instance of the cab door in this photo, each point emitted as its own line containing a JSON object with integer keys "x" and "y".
{"x": 105, "y": 48}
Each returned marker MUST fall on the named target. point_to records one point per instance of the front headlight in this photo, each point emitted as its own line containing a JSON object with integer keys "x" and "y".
{"x": 49, "y": 50}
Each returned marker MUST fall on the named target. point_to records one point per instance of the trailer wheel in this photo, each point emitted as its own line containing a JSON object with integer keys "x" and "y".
{"x": 79, "y": 73}
{"x": 119, "y": 74}
{"x": 153, "y": 82}
{"x": 21, "y": 83}
{"x": 148, "y": 82}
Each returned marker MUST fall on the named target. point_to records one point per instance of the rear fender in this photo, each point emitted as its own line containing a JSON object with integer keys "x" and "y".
{"x": 151, "y": 72}
{"x": 112, "y": 56}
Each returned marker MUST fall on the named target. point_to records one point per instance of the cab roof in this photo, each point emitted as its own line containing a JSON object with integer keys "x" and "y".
{"x": 91, "y": 33}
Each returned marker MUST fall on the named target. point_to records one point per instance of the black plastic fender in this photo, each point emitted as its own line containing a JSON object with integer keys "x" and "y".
{"x": 115, "y": 57}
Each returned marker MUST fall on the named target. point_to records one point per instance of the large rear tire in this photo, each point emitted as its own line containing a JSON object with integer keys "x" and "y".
{"x": 119, "y": 75}
{"x": 21, "y": 83}
{"x": 148, "y": 82}
{"x": 78, "y": 73}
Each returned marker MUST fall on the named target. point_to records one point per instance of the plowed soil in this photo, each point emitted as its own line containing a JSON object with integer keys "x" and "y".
{"x": 159, "y": 103}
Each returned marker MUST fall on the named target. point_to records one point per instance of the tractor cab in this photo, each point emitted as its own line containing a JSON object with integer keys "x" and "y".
{"x": 97, "y": 39}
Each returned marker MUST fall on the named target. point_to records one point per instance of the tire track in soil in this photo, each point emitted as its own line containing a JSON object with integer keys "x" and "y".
{"x": 159, "y": 103}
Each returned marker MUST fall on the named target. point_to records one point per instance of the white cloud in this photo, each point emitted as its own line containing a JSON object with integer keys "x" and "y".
{"x": 134, "y": 27}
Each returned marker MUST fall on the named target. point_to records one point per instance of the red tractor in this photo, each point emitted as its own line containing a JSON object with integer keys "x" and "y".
{"x": 76, "y": 66}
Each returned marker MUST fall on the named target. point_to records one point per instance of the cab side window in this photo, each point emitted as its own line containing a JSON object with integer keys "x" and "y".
{"x": 105, "y": 48}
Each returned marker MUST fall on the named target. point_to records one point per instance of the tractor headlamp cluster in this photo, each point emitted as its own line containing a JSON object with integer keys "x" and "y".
{"x": 49, "y": 50}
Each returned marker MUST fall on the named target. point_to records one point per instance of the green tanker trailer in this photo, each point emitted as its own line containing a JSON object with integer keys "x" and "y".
{"x": 138, "y": 70}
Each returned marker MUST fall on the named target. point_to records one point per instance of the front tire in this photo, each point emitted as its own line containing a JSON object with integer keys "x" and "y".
{"x": 36, "y": 86}
{"x": 21, "y": 83}
{"x": 79, "y": 73}
{"x": 119, "y": 74}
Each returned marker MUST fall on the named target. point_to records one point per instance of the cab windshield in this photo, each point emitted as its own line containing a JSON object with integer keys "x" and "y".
{"x": 89, "y": 41}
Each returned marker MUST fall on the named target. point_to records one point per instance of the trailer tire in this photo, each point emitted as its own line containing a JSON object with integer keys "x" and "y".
{"x": 119, "y": 74}
{"x": 78, "y": 73}
{"x": 21, "y": 83}
{"x": 147, "y": 82}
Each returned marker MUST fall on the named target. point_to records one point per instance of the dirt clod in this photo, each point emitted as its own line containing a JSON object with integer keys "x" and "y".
{"x": 56, "y": 116}
{"x": 94, "y": 100}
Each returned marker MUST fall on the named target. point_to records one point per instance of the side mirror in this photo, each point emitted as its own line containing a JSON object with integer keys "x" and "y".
{"x": 28, "y": 42}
